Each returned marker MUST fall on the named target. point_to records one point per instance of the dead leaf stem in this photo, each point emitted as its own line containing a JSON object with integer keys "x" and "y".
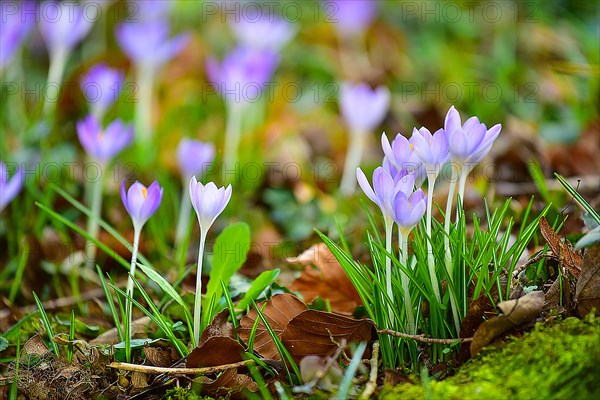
{"x": 149, "y": 369}
{"x": 422, "y": 338}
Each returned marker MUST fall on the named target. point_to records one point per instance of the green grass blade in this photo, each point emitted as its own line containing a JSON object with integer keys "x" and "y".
{"x": 46, "y": 323}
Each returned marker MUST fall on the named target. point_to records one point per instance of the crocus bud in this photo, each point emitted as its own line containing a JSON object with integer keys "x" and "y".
{"x": 63, "y": 25}
{"x": 208, "y": 201}
{"x": 261, "y": 30}
{"x": 409, "y": 209}
{"x": 103, "y": 144}
{"x": 16, "y": 22}
{"x": 141, "y": 202}
{"x": 432, "y": 149}
{"x": 352, "y": 17}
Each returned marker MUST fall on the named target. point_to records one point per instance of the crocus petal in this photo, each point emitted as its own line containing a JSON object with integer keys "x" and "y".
{"x": 452, "y": 121}
{"x": 124, "y": 197}
{"x": 365, "y": 186}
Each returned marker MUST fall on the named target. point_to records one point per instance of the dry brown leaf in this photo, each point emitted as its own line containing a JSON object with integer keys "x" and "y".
{"x": 278, "y": 311}
{"x": 219, "y": 326}
{"x": 158, "y": 356}
{"x": 515, "y": 313}
{"x": 587, "y": 291}
{"x": 570, "y": 259}
{"x": 324, "y": 277}
{"x": 229, "y": 384}
{"x": 319, "y": 333}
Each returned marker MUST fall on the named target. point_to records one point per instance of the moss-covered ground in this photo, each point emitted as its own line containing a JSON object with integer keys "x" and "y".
{"x": 558, "y": 360}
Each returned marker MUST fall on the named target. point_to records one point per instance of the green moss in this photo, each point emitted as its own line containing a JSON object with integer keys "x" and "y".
{"x": 557, "y": 361}
{"x": 179, "y": 393}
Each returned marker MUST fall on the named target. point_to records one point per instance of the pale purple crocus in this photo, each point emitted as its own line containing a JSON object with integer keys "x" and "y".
{"x": 209, "y": 201}
{"x": 194, "y": 157}
{"x": 101, "y": 87}
{"x": 408, "y": 211}
{"x": 103, "y": 144}
{"x": 148, "y": 44}
{"x": 62, "y": 25}
{"x": 240, "y": 78}
{"x": 15, "y": 24}
{"x": 141, "y": 203}
{"x": 383, "y": 193}
{"x": 351, "y": 17}
{"x": 9, "y": 188}
{"x": 145, "y": 10}
{"x": 362, "y": 109}
{"x": 261, "y": 30}
{"x": 401, "y": 154}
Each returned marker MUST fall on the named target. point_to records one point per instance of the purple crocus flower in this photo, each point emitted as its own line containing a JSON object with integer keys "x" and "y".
{"x": 208, "y": 201}
{"x": 431, "y": 149}
{"x": 471, "y": 141}
{"x": 352, "y": 17}
{"x": 385, "y": 188}
{"x": 401, "y": 153}
{"x": 9, "y": 188}
{"x": 152, "y": 10}
{"x": 141, "y": 202}
{"x": 409, "y": 209}
{"x": 363, "y": 108}
{"x": 242, "y": 74}
{"x": 103, "y": 144}
{"x": 16, "y": 22}
{"x": 101, "y": 87}
{"x": 194, "y": 157}
{"x": 148, "y": 43}
{"x": 63, "y": 25}
{"x": 260, "y": 30}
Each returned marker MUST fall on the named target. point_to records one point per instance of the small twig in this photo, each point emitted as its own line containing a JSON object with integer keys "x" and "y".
{"x": 372, "y": 384}
{"x": 148, "y": 369}
{"x": 422, "y": 338}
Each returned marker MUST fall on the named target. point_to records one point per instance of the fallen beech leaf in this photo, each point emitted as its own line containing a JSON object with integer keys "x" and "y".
{"x": 587, "y": 290}
{"x": 568, "y": 257}
{"x": 158, "y": 356}
{"x": 36, "y": 347}
{"x": 515, "y": 313}
{"x": 278, "y": 311}
{"x": 319, "y": 333}
{"x": 473, "y": 320}
{"x": 229, "y": 384}
{"x": 217, "y": 346}
{"x": 324, "y": 277}
{"x": 139, "y": 381}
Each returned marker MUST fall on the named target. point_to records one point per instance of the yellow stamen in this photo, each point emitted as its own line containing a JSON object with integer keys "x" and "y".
{"x": 410, "y": 145}
{"x": 144, "y": 192}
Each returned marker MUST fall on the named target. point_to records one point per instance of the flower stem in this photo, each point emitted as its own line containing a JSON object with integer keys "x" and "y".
{"x": 143, "y": 110}
{"x": 448, "y": 252}
{"x": 233, "y": 134}
{"x": 93, "y": 228}
{"x": 464, "y": 172}
{"x": 410, "y": 316}
{"x": 431, "y": 177}
{"x": 389, "y": 224}
{"x": 353, "y": 157}
{"x": 183, "y": 224}
{"x": 198, "y": 299}
{"x": 128, "y": 302}
{"x": 58, "y": 61}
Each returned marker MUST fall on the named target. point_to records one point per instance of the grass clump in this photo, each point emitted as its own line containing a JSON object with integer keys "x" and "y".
{"x": 557, "y": 361}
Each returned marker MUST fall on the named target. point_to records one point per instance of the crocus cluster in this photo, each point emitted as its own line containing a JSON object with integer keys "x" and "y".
{"x": 396, "y": 184}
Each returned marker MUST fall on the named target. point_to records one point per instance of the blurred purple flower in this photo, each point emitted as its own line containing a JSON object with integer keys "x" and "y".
{"x": 141, "y": 202}
{"x": 151, "y": 10}
{"x": 208, "y": 201}
{"x": 63, "y": 25}
{"x": 431, "y": 149}
{"x": 17, "y": 20}
{"x": 9, "y": 188}
{"x": 194, "y": 157}
{"x": 352, "y": 17}
{"x": 409, "y": 209}
{"x": 101, "y": 87}
{"x": 363, "y": 108}
{"x": 148, "y": 43}
{"x": 242, "y": 73}
{"x": 385, "y": 188}
{"x": 101, "y": 144}
{"x": 471, "y": 141}
{"x": 260, "y": 30}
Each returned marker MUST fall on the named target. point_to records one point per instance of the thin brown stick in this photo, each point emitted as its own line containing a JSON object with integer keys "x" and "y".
{"x": 149, "y": 369}
{"x": 372, "y": 384}
{"x": 422, "y": 338}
